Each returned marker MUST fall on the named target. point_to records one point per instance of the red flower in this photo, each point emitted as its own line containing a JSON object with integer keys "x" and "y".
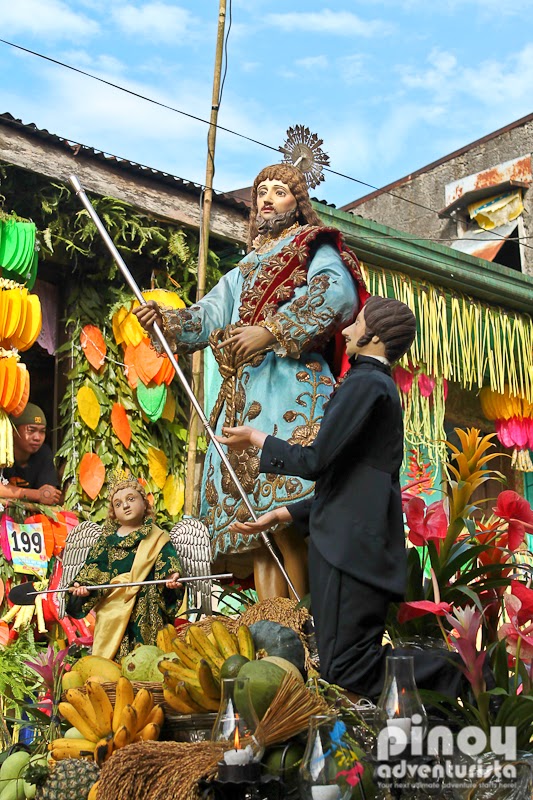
{"x": 525, "y": 595}
{"x": 418, "y": 608}
{"x": 518, "y": 513}
{"x": 513, "y": 633}
{"x": 426, "y": 522}
{"x": 353, "y": 775}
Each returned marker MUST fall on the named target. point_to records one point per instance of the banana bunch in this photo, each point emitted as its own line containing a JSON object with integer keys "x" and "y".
{"x": 22, "y": 616}
{"x": 104, "y": 727}
{"x": 7, "y": 456}
{"x": 192, "y": 684}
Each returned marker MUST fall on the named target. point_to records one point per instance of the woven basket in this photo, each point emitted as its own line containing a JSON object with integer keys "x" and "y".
{"x": 177, "y": 727}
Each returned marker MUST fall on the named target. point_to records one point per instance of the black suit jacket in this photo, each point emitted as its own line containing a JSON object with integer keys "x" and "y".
{"x": 355, "y": 516}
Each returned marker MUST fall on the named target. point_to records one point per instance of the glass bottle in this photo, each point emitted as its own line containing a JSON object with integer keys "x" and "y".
{"x": 400, "y": 717}
{"x": 329, "y": 767}
{"x": 236, "y": 723}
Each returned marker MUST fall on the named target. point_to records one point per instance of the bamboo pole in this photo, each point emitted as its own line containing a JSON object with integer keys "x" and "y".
{"x": 197, "y": 358}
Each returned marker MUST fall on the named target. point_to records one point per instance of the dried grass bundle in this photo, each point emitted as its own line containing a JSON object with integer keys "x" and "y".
{"x": 289, "y": 712}
{"x": 159, "y": 770}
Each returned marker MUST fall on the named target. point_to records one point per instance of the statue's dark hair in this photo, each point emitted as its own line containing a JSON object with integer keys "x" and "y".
{"x": 393, "y": 322}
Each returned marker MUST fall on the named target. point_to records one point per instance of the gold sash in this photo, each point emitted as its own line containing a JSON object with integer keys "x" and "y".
{"x": 114, "y": 610}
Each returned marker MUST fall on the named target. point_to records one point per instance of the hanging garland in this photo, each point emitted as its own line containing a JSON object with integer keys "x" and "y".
{"x": 461, "y": 339}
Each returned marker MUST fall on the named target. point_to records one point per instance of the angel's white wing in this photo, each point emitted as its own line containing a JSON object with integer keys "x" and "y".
{"x": 79, "y": 542}
{"x": 190, "y": 538}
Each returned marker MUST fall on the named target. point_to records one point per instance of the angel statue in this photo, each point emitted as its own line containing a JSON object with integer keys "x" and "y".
{"x": 128, "y": 548}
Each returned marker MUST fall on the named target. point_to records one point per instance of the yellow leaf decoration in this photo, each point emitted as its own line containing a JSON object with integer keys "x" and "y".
{"x": 169, "y": 411}
{"x": 157, "y": 466}
{"x": 88, "y": 406}
{"x": 174, "y": 495}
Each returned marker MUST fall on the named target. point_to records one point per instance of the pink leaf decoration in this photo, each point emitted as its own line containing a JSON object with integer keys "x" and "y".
{"x": 403, "y": 379}
{"x": 517, "y": 431}
{"x": 426, "y": 384}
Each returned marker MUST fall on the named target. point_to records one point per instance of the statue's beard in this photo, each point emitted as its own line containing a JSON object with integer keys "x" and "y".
{"x": 275, "y": 224}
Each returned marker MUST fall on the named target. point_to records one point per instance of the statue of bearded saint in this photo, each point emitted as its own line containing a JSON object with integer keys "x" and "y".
{"x": 272, "y": 365}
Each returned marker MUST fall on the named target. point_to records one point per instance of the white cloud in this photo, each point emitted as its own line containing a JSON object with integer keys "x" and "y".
{"x": 352, "y": 68}
{"x": 337, "y": 23}
{"x": 156, "y": 22}
{"x": 52, "y": 19}
{"x": 312, "y": 62}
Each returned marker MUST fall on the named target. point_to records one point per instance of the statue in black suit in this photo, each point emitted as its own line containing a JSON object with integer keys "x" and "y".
{"x": 357, "y": 557}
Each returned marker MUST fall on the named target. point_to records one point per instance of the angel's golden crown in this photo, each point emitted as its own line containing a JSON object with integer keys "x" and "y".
{"x": 119, "y": 476}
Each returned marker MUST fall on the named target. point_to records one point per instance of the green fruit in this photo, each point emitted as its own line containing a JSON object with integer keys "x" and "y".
{"x": 154, "y": 674}
{"x": 264, "y": 680}
{"x": 231, "y": 666}
{"x": 277, "y": 640}
{"x": 14, "y": 790}
{"x": 137, "y": 665}
{"x": 284, "y": 761}
{"x": 73, "y": 733}
{"x": 288, "y": 666}
{"x": 13, "y": 766}
{"x": 30, "y": 789}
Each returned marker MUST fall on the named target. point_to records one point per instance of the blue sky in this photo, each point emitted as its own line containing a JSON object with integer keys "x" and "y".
{"x": 389, "y": 85}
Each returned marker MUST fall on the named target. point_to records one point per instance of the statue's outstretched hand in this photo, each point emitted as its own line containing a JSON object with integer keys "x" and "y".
{"x": 241, "y": 437}
{"x": 264, "y": 522}
{"x": 147, "y": 314}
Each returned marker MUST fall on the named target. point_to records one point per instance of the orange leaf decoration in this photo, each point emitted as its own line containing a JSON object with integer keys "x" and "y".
{"x": 4, "y": 634}
{"x": 166, "y": 372}
{"x": 121, "y": 424}
{"x": 2, "y": 590}
{"x": 93, "y": 345}
{"x": 147, "y": 361}
{"x": 131, "y": 369}
{"x": 91, "y": 474}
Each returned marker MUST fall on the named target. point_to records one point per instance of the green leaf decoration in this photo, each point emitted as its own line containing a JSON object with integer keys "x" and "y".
{"x": 152, "y": 400}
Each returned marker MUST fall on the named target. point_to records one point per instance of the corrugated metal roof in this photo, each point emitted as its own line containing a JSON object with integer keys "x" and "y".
{"x": 76, "y": 148}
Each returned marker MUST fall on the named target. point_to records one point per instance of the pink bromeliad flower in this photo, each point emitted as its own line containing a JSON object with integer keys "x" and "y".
{"x": 466, "y": 623}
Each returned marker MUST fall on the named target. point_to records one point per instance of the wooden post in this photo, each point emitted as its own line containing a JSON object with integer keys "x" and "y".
{"x": 197, "y": 358}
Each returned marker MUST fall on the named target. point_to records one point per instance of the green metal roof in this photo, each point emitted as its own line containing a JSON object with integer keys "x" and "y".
{"x": 385, "y": 247}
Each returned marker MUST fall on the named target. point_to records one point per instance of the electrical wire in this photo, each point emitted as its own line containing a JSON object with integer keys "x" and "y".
{"x": 234, "y": 133}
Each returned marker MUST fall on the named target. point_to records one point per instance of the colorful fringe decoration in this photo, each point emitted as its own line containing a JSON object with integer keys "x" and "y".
{"x": 460, "y": 338}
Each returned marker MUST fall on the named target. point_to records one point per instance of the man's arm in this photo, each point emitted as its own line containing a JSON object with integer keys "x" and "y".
{"x": 47, "y": 495}
{"x": 346, "y": 415}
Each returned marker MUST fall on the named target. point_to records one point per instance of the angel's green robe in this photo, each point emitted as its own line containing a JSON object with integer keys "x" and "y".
{"x": 153, "y": 606}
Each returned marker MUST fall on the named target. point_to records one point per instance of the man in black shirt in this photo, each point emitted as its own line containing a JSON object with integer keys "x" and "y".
{"x": 33, "y": 476}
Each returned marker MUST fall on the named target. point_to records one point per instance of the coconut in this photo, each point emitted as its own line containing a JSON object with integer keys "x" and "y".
{"x": 137, "y": 665}
{"x": 155, "y": 675}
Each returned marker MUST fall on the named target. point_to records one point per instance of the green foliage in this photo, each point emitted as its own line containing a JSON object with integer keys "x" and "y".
{"x": 17, "y": 681}
{"x": 89, "y": 304}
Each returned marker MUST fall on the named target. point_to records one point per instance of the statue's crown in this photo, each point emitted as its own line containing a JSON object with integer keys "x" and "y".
{"x": 120, "y": 477}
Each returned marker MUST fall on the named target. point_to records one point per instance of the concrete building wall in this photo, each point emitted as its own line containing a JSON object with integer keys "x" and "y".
{"x": 426, "y": 188}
